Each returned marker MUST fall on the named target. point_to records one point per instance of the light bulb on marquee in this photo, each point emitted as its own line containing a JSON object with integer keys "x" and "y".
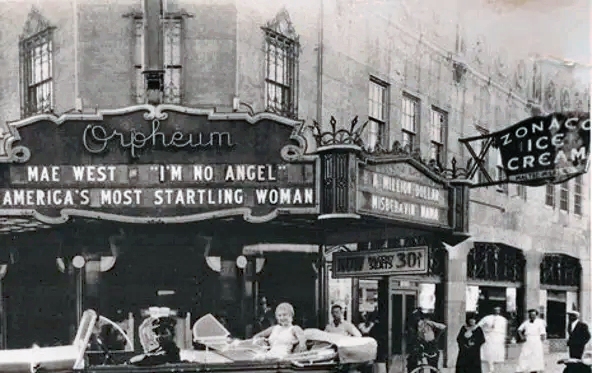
{"x": 78, "y": 261}
{"x": 241, "y": 262}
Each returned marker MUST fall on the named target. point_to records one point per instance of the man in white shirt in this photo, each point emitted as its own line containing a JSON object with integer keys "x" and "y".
{"x": 340, "y": 326}
{"x": 494, "y": 327}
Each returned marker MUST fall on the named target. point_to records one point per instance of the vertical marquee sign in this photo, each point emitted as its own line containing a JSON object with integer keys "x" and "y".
{"x": 156, "y": 164}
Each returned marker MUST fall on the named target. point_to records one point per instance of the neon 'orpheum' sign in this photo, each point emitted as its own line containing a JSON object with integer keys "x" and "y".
{"x": 539, "y": 149}
{"x": 96, "y": 139}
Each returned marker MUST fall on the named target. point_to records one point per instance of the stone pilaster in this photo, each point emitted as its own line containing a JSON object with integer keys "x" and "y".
{"x": 532, "y": 278}
{"x": 455, "y": 290}
{"x": 586, "y": 289}
{"x": 3, "y": 320}
{"x": 92, "y": 275}
{"x": 383, "y": 320}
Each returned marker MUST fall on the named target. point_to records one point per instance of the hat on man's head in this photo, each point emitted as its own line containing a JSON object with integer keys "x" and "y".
{"x": 576, "y": 313}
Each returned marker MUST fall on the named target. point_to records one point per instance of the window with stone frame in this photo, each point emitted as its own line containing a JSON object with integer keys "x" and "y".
{"x": 36, "y": 66}
{"x": 172, "y": 60}
{"x": 438, "y": 125}
{"x": 409, "y": 121}
{"x": 550, "y": 195}
{"x": 281, "y": 66}
{"x": 377, "y": 114}
{"x": 521, "y": 191}
{"x": 578, "y": 188}
{"x": 564, "y": 196}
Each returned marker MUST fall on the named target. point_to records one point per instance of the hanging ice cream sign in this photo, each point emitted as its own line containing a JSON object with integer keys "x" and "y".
{"x": 543, "y": 149}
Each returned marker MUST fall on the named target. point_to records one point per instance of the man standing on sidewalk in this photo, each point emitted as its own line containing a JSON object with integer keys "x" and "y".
{"x": 579, "y": 335}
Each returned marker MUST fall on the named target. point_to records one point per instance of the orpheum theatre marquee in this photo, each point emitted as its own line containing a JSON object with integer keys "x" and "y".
{"x": 169, "y": 164}
{"x": 156, "y": 164}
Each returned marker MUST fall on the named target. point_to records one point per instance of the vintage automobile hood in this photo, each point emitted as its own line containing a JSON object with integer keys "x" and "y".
{"x": 51, "y": 359}
{"x": 349, "y": 349}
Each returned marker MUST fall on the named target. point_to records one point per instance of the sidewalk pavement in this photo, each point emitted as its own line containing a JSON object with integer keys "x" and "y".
{"x": 509, "y": 366}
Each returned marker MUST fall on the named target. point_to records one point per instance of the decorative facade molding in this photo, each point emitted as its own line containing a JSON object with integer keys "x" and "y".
{"x": 282, "y": 24}
{"x": 35, "y": 24}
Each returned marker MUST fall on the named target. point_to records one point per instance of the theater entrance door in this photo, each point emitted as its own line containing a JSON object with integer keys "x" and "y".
{"x": 403, "y": 302}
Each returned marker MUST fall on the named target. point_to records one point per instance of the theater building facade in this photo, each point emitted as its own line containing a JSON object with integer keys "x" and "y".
{"x": 200, "y": 156}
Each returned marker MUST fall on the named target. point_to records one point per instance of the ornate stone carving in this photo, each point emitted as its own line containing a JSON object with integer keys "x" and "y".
{"x": 35, "y": 24}
{"x": 479, "y": 50}
{"x": 520, "y": 75}
{"x": 550, "y": 95}
{"x": 501, "y": 64}
{"x": 537, "y": 85}
{"x": 282, "y": 25}
{"x": 565, "y": 100}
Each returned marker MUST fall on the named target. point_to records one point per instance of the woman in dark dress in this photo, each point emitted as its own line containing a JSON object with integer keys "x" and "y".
{"x": 469, "y": 339}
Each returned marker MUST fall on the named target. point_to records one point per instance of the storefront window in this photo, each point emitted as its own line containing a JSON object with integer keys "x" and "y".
{"x": 560, "y": 277}
{"x": 494, "y": 262}
{"x": 556, "y": 311}
{"x": 368, "y": 296}
{"x": 483, "y": 299}
{"x": 472, "y": 301}
{"x": 427, "y": 296}
{"x": 340, "y": 292}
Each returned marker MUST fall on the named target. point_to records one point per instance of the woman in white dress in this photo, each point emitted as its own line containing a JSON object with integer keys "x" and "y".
{"x": 284, "y": 336}
{"x": 533, "y": 333}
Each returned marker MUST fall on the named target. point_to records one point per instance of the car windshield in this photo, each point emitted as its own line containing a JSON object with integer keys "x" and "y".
{"x": 109, "y": 336}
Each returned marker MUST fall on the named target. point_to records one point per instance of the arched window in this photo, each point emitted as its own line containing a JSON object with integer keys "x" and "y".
{"x": 495, "y": 262}
{"x": 560, "y": 270}
{"x": 281, "y": 66}
{"x": 560, "y": 277}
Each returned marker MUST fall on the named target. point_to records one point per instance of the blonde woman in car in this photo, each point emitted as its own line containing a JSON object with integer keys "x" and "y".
{"x": 284, "y": 338}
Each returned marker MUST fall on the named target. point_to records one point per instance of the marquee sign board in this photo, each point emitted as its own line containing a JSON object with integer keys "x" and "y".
{"x": 538, "y": 150}
{"x": 388, "y": 262}
{"x": 400, "y": 191}
{"x": 156, "y": 164}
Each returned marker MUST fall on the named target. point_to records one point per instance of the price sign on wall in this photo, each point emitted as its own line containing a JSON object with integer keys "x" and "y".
{"x": 410, "y": 260}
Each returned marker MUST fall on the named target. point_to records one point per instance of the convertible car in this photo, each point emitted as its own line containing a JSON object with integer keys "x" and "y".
{"x": 214, "y": 350}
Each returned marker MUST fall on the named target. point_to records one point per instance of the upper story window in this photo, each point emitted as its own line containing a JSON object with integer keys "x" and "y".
{"x": 550, "y": 195}
{"x": 578, "y": 195}
{"x": 409, "y": 120}
{"x": 36, "y": 65}
{"x": 281, "y": 66}
{"x": 521, "y": 191}
{"x": 172, "y": 60}
{"x": 564, "y": 196}
{"x": 438, "y": 123}
{"x": 377, "y": 113}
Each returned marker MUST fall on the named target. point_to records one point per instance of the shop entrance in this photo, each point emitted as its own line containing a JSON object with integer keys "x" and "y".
{"x": 402, "y": 304}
